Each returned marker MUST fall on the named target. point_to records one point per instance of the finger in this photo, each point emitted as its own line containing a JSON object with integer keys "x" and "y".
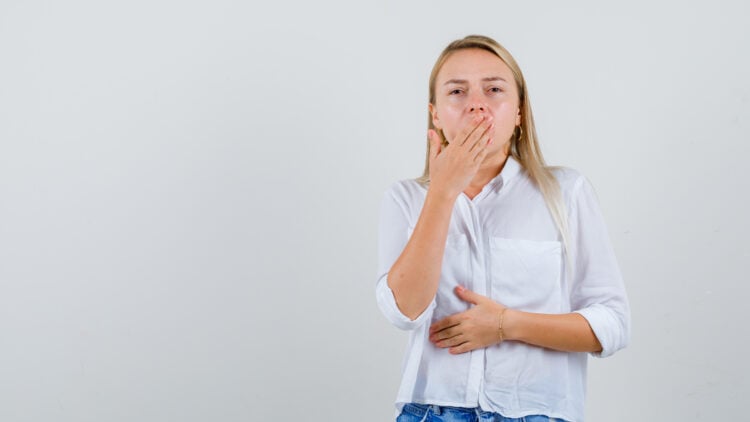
{"x": 445, "y": 333}
{"x": 484, "y": 142}
{"x": 480, "y": 136}
{"x": 435, "y": 142}
{"x": 462, "y": 348}
{"x": 468, "y": 296}
{"x": 444, "y": 323}
{"x": 451, "y": 342}
{"x": 469, "y": 128}
{"x": 482, "y": 152}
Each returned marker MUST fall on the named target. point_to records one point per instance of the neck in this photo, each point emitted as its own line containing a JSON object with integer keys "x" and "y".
{"x": 489, "y": 169}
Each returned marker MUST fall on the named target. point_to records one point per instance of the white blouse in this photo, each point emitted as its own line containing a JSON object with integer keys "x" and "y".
{"x": 504, "y": 244}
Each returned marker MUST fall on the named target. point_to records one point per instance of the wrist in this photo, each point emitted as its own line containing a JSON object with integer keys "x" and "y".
{"x": 437, "y": 194}
{"x": 501, "y": 326}
{"x": 512, "y": 324}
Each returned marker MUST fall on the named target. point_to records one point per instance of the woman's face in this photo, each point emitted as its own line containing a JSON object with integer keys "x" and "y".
{"x": 474, "y": 81}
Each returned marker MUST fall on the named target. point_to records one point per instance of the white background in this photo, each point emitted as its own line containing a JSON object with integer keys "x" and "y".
{"x": 189, "y": 195}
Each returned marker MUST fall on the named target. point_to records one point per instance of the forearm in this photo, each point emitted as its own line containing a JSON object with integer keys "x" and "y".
{"x": 414, "y": 276}
{"x": 565, "y": 332}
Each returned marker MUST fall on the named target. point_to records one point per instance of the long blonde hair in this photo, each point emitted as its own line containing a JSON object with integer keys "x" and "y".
{"x": 524, "y": 146}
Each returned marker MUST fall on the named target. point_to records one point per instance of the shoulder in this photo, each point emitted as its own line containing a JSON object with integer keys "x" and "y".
{"x": 406, "y": 190}
{"x": 572, "y": 182}
{"x": 567, "y": 177}
{"x": 407, "y": 194}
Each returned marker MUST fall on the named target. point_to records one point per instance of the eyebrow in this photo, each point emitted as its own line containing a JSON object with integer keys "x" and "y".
{"x": 463, "y": 81}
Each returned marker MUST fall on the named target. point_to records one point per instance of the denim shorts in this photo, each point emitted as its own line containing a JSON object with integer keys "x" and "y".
{"x": 415, "y": 412}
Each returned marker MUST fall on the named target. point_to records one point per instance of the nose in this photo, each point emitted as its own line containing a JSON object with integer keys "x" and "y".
{"x": 477, "y": 108}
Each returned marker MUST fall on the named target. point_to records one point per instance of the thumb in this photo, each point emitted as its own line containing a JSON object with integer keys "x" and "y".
{"x": 468, "y": 296}
{"x": 435, "y": 143}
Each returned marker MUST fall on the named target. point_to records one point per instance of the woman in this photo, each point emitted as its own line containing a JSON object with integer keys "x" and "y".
{"x": 499, "y": 266}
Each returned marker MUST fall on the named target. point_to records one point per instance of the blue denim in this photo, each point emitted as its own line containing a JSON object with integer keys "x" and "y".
{"x": 415, "y": 412}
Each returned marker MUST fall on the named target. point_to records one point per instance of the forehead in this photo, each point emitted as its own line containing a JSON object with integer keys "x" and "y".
{"x": 473, "y": 64}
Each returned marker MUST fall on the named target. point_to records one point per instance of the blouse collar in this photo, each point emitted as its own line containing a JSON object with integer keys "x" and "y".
{"x": 510, "y": 170}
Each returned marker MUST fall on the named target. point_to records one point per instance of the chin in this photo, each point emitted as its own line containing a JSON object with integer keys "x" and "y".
{"x": 499, "y": 149}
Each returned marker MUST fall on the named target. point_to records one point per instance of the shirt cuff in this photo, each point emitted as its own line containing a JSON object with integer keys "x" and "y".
{"x": 387, "y": 305}
{"x": 612, "y": 330}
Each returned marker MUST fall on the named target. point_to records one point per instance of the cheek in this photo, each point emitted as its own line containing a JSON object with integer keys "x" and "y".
{"x": 505, "y": 117}
{"x": 504, "y": 129}
{"x": 450, "y": 121}
{"x": 505, "y": 125}
{"x": 506, "y": 110}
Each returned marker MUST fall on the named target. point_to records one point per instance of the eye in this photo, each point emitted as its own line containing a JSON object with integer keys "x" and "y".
{"x": 496, "y": 90}
{"x": 455, "y": 92}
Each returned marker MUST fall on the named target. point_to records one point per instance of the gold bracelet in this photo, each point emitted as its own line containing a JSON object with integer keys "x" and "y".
{"x": 500, "y": 329}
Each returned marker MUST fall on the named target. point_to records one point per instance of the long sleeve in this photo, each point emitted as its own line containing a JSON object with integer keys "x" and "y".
{"x": 597, "y": 289}
{"x": 393, "y": 233}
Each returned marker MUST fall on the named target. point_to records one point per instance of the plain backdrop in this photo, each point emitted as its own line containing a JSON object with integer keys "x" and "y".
{"x": 189, "y": 194}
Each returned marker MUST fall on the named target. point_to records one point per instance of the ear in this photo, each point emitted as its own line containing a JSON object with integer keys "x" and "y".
{"x": 435, "y": 119}
{"x": 518, "y": 118}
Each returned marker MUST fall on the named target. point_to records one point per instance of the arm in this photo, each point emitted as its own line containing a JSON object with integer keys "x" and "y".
{"x": 565, "y": 332}
{"x": 597, "y": 290}
{"x": 481, "y": 327}
{"x": 414, "y": 276}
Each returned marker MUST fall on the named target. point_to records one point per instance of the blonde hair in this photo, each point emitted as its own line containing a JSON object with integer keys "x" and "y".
{"x": 524, "y": 146}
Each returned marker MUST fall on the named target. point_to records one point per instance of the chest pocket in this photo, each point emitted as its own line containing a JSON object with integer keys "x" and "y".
{"x": 525, "y": 274}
